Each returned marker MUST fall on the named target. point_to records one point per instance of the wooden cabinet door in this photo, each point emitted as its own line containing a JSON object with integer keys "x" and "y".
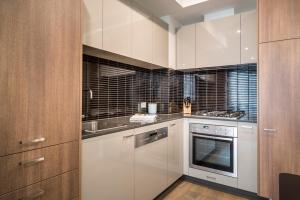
{"x": 278, "y": 20}
{"x": 175, "y": 151}
{"x": 117, "y": 27}
{"x": 160, "y": 43}
{"x": 92, "y": 23}
{"x": 218, "y": 42}
{"x": 249, "y": 37}
{"x": 186, "y": 47}
{"x": 22, "y": 169}
{"x": 63, "y": 187}
{"x": 107, "y": 167}
{"x": 279, "y": 138}
{"x": 142, "y": 36}
{"x": 40, "y": 65}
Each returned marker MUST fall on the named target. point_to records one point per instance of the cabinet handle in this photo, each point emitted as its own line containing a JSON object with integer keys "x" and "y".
{"x": 31, "y": 162}
{"x": 172, "y": 125}
{"x": 34, "y": 141}
{"x": 35, "y": 195}
{"x": 128, "y": 136}
{"x": 270, "y": 131}
{"x": 211, "y": 178}
{"x": 91, "y": 93}
{"x": 247, "y": 127}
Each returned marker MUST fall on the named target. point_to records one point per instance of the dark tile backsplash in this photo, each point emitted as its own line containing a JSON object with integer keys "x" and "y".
{"x": 112, "y": 89}
{"x": 233, "y": 88}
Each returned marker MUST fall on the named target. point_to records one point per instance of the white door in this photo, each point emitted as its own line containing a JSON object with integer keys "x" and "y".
{"x": 175, "y": 151}
{"x": 107, "y": 167}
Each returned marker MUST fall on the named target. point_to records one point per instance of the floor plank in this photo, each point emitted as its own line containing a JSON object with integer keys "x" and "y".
{"x": 191, "y": 191}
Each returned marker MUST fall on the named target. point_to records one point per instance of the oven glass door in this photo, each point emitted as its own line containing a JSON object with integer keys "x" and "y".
{"x": 213, "y": 152}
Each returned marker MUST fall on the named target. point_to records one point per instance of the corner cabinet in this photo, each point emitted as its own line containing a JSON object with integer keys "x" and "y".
{"x": 175, "y": 151}
{"x": 186, "y": 47}
{"x": 108, "y": 167}
{"x": 117, "y": 27}
{"x": 92, "y": 23}
{"x": 218, "y": 42}
{"x": 249, "y": 37}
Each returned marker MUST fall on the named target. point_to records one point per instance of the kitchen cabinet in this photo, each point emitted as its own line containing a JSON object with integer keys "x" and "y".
{"x": 249, "y": 37}
{"x": 108, "y": 167}
{"x": 218, "y": 42}
{"x": 160, "y": 43}
{"x": 186, "y": 47}
{"x": 41, "y": 86}
{"x": 117, "y": 27}
{"x": 63, "y": 187}
{"x": 279, "y": 109}
{"x": 142, "y": 35}
{"x": 92, "y": 23}
{"x": 247, "y": 156}
{"x": 278, "y": 20}
{"x": 40, "y": 81}
{"x": 175, "y": 151}
{"x": 20, "y": 170}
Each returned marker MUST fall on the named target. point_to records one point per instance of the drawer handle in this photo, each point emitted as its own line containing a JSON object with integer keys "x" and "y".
{"x": 247, "y": 127}
{"x": 36, "y": 195}
{"x": 173, "y": 125}
{"x": 127, "y": 136}
{"x": 31, "y": 162}
{"x": 270, "y": 131}
{"x": 211, "y": 178}
{"x": 34, "y": 141}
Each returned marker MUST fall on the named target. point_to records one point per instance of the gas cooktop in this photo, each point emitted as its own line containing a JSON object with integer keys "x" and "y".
{"x": 232, "y": 115}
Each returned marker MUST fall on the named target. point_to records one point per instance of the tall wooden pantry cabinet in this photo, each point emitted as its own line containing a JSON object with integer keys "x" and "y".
{"x": 40, "y": 74}
{"x": 279, "y": 94}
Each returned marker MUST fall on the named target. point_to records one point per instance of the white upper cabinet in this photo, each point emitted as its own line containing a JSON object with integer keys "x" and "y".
{"x": 218, "y": 42}
{"x": 142, "y": 35}
{"x": 117, "y": 27}
{"x": 160, "y": 43}
{"x": 249, "y": 37}
{"x": 186, "y": 47}
{"x": 92, "y": 23}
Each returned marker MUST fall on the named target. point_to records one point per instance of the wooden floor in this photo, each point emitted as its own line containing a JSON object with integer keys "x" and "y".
{"x": 191, "y": 191}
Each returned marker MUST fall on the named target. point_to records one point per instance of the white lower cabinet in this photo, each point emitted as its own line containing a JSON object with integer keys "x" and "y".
{"x": 175, "y": 151}
{"x": 113, "y": 169}
{"x": 108, "y": 167}
{"x": 247, "y": 157}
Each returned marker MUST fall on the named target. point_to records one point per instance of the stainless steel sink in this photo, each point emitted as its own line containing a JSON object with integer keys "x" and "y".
{"x": 101, "y": 125}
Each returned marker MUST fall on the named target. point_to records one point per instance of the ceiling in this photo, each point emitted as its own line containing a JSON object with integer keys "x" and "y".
{"x": 194, "y": 13}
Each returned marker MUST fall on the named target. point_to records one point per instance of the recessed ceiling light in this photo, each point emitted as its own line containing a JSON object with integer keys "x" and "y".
{"x": 186, "y": 3}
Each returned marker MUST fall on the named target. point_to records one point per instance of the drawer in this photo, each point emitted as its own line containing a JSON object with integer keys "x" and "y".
{"x": 20, "y": 170}
{"x": 63, "y": 187}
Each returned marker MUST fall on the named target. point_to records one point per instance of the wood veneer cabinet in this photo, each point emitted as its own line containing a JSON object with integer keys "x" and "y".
{"x": 63, "y": 187}
{"x": 278, "y": 19}
{"x": 279, "y": 94}
{"x": 40, "y": 81}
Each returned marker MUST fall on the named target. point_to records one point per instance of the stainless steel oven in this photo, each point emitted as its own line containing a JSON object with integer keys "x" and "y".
{"x": 213, "y": 148}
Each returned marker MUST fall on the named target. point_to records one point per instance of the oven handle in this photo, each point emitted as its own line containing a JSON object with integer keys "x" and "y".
{"x": 212, "y": 137}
